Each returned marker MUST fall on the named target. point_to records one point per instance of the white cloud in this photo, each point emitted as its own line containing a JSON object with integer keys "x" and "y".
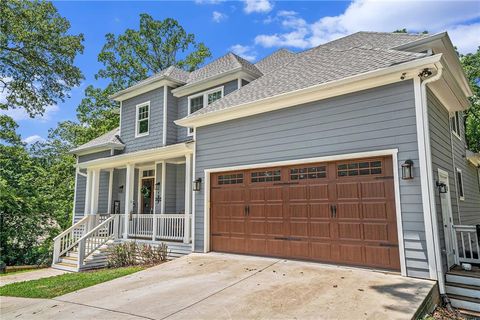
{"x": 20, "y": 113}
{"x": 33, "y": 139}
{"x": 387, "y": 16}
{"x": 218, "y": 16}
{"x": 245, "y": 52}
{"x": 259, "y": 6}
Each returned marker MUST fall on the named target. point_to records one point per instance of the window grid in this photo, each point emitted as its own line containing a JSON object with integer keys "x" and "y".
{"x": 230, "y": 179}
{"x": 142, "y": 119}
{"x": 308, "y": 173}
{"x": 265, "y": 176}
{"x": 359, "y": 168}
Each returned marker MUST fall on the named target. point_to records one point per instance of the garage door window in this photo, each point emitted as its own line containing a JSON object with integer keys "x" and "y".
{"x": 359, "y": 168}
{"x": 265, "y": 176}
{"x": 230, "y": 178}
{"x": 308, "y": 173}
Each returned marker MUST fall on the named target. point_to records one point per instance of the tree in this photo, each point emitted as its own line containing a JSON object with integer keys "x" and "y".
{"x": 36, "y": 56}
{"x": 471, "y": 66}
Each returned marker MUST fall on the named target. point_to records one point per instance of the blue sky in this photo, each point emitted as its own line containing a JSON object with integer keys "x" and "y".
{"x": 250, "y": 28}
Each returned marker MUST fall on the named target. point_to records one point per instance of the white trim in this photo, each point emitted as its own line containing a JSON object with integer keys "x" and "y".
{"x": 75, "y": 193}
{"x": 147, "y": 85}
{"x": 120, "y": 123}
{"x": 460, "y": 184}
{"x": 110, "y": 191}
{"x": 424, "y": 178}
{"x": 188, "y": 194}
{"x": 137, "y": 107}
{"x": 456, "y": 120}
{"x": 367, "y": 154}
{"x": 449, "y": 234}
{"x": 129, "y": 181}
{"x": 165, "y": 111}
{"x": 239, "y": 83}
{"x": 95, "y": 190}
{"x": 164, "y": 169}
{"x": 205, "y": 101}
{"x": 194, "y": 193}
{"x": 171, "y": 151}
{"x": 400, "y": 72}
{"x": 88, "y": 193}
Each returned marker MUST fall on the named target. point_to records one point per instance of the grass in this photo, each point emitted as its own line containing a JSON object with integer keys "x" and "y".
{"x": 65, "y": 283}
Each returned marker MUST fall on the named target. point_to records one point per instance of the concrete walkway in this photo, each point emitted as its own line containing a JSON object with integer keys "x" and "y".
{"x": 30, "y": 275}
{"x": 218, "y": 286}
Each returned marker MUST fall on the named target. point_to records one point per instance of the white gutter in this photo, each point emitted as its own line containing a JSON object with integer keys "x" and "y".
{"x": 431, "y": 186}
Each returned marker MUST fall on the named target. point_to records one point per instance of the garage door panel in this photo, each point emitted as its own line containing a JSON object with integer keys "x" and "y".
{"x": 319, "y": 192}
{"x": 320, "y": 210}
{"x": 341, "y": 212}
{"x": 373, "y": 190}
{"x": 320, "y": 230}
{"x": 375, "y": 232}
{"x": 347, "y": 191}
{"x": 348, "y": 211}
{"x": 350, "y": 231}
{"x": 375, "y": 211}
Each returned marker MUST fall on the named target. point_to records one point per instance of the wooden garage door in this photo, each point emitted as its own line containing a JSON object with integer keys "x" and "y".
{"x": 341, "y": 212}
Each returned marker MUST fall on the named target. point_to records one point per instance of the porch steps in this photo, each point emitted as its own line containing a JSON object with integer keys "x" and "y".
{"x": 463, "y": 289}
{"x": 69, "y": 261}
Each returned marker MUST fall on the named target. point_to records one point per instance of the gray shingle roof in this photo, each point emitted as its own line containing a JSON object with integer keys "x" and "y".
{"x": 110, "y": 138}
{"x": 228, "y": 62}
{"x": 275, "y": 60}
{"x": 349, "y": 56}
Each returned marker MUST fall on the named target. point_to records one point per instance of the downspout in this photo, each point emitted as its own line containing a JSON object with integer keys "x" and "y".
{"x": 431, "y": 188}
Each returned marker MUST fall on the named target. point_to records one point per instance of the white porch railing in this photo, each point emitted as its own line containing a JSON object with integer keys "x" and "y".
{"x": 96, "y": 238}
{"x": 69, "y": 238}
{"x": 167, "y": 226}
{"x": 468, "y": 248}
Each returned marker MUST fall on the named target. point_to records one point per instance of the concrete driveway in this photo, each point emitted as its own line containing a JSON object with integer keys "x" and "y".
{"x": 222, "y": 286}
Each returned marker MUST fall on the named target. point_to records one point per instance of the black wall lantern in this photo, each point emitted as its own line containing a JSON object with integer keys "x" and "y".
{"x": 120, "y": 189}
{"x": 197, "y": 184}
{"x": 442, "y": 187}
{"x": 407, "y": 170}
{"x": 158, "y": 197}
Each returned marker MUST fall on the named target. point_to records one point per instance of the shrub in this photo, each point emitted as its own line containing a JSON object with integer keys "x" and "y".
{"x": 132, "y": 253}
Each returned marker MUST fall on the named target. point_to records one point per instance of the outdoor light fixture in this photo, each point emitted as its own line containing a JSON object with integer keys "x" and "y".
{"x": 158, "y": 198}
{"x": 442, "y": 187}
{"x": 407, "y": 170}
{"x": 120, "y": 189}
{"x": 197, "y": 184}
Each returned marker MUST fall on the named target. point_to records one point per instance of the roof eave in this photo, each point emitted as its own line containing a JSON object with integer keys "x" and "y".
{"x": 313, "y": 93}
{"x": 97, "y": 148}
{"x": 145, "y": 86}
{"x": 214, "y": 81}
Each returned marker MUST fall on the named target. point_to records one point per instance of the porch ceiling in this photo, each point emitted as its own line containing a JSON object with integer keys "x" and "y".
{"x": 144, "y": 157}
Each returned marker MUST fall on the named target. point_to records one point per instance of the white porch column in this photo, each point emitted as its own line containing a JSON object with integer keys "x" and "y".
{"x": 110, "y": 191}
{"x": 188, "y": 193}
{"x": 130, "y": 177}
{"x": 95, "y": 190}
{"x": 164, "y": 170}
{"x": 88, "y": 192}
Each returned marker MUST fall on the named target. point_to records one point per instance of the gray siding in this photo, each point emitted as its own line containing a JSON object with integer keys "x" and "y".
{"x": 441, "y": 149}
{"x": 119, "y": 178}
{"x": 180, "y": 188}
{"x": 158, "y": 178}
{"x": 172, "y": 115}
{"x": 380, "y": 118}
{"x": 469, "y": 209}
{"x": 154, "y": 138}
{"x": 170, "y": 188}
{"x": 94, "y": 156}
{"x": 182, "y": 135}
{"x": 103, "y": 192}
{"x": 80, "y": 192}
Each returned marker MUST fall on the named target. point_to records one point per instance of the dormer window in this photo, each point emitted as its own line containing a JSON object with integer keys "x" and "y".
{"x": 142, "y": 124}
{"x": 198, "y": 101}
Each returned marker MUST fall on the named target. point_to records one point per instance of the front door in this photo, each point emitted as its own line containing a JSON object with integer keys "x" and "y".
{"x": 447, "y": 219}
{"x": 147, "y": 195}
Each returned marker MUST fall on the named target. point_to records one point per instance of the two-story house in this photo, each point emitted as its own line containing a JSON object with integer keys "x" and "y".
{"x": 352, "y": 152}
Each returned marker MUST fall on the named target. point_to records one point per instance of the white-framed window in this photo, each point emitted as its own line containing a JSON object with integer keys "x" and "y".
{"x": 142, "y": 119}
{"x": 200, "y": 100}
{"x": 461, "y": 190}
{"x": 455, "y": 120}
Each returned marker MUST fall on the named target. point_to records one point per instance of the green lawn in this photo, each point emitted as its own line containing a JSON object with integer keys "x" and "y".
{"x": 65, "y": 283}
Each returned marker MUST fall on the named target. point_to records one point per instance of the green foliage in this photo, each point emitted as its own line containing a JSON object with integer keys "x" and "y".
{"x": 36, "y": 55}
{"x": 52, "y": 287}
{"x": 132, "y": 253}
{"x": 471, "y": 66}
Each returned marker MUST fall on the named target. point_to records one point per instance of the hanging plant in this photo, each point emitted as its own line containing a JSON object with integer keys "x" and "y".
{"x": 145, "y": 191}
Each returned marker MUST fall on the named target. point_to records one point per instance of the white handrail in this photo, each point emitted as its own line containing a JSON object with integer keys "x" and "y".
{"x": 468, "y": 249}
{"x": 95, "y": 238}
{"x": 69, "y": 238}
